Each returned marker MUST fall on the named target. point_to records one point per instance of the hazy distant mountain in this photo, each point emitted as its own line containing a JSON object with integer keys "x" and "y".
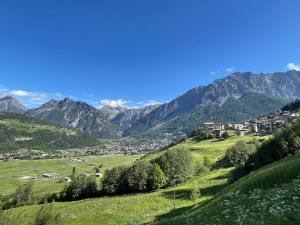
{"x": 128, "y": 117}
{"x": 110, "y": 112}
{"x": 75, "y": 114}
{"x": 11, "y": 104}
{"x": 285, "y": 85}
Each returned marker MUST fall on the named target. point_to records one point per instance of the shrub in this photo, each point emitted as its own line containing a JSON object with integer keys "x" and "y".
{"x": 207, "y": 162}
{"x": 200, "y": 135}
{"x": 285, "y": 141}
{"x": 240, "y": 154}
{"x": 199, "y": 168}
{"x": 48, "y": 216}
{"x": 21, "y": 197}
{"x": 194, "y": 193}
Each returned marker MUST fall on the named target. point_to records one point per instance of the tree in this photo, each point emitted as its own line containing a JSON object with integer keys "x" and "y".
{"x": 157, "y": 178}
{"x": 23, "y": 195}
{"x": 48, "y": 216}
{"x": 240, "y": 154}
{"x": 225, "y": 135}
{"x": 138, "y": 176}
{"x": 81, "y": 187}
{"x": 177, "y": 165}
{"x": 195, "y": 193}
{"x": 73, "y": 176}
{"x": 113, "y": 181}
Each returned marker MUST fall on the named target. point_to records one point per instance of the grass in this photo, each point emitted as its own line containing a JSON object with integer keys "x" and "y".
{"x": 12, "y": 171}
{"x": 266, "y": 178}
{"x": 213, "y": 149}
{"x": 142, "y": 208}
{"x": 146, "y": 208}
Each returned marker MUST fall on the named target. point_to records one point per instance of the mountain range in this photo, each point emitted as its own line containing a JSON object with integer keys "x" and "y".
{"x": 237, "y": 97}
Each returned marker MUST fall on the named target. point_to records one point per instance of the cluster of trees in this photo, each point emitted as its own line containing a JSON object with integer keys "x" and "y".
{"x": 253, "y": 155}
{"x": 47, "y": 137}
{"x": 22, "y": 196}
{"x": 292, "y": 106}
{"x": 201, "y": 135}
{"x": 169, "y": 169}
{"x": 46, "y": 215}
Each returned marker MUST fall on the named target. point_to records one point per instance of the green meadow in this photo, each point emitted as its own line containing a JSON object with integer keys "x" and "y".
{"x": 134, "y": 208}
{"x": 11, "y": 172}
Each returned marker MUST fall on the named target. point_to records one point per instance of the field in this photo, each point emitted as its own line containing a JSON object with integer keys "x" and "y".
{"x": 213, "y": 149}
{"x": 144, "y": 207}
{"x": 140, "y": 208}
{"x": 12, "y": 171}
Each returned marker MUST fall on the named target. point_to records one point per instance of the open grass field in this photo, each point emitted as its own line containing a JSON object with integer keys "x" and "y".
{"x": 213, "y": 148}
{"x": 12, "y": 171}
{"x": 139, "y": 208}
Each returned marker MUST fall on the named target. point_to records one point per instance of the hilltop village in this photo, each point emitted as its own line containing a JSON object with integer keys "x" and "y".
{"x": 261, "y": 126}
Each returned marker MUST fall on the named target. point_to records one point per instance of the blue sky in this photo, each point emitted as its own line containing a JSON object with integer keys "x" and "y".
{"x": 134, "y": 52}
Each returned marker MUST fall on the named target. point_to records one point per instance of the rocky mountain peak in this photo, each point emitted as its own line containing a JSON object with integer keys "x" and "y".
{"x": 11, "y": 104}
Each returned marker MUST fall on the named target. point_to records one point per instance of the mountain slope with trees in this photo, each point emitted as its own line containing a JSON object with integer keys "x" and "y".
{"x": 21, "y": 132}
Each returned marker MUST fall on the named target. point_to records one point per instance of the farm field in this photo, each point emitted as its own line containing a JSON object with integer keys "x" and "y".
{"x": 11, "y": 172}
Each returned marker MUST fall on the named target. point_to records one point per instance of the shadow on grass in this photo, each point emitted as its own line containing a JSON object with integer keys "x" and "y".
{"x": 173, "y": 213}
{"x": 213, "y": 190}
{"x": 179, "y": 194}
{"x": 221, "y": 177}
{"x": 184, "y": 194}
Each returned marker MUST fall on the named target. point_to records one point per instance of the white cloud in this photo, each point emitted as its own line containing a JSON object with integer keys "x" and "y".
{"x": 229, "y": 69}
{"x": 29, "y": 98}
{"x": 293, "y": 66}
{"x": 152, "y": 102}
{"x": 126, "y": 103}
{"x": 114, "y": 103}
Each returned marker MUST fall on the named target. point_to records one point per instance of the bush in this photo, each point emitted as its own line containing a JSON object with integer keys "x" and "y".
{"x": 207, "y": 162}
{"x": 194, "y": 193}
{"x": 286, "y": 141}
{"x": 225, "y": 135}
{"x": 48, "y": 216}
{"x": 240, "y": 154}
{"x": 21, "y": 197}
{"x": 200, "y": 135}
{"x": 177, "y": 165}
{"x": 199, "y": 168}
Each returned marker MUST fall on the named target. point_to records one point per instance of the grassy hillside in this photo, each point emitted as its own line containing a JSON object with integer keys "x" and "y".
{"x": 275, "y": 190}
{"x": 18, "y": 131}
{"x": 11, "y": 172}
{"x": 213, "y": 149}
{"x": 139, "y": 208}
{"x": 147, "y": 207}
